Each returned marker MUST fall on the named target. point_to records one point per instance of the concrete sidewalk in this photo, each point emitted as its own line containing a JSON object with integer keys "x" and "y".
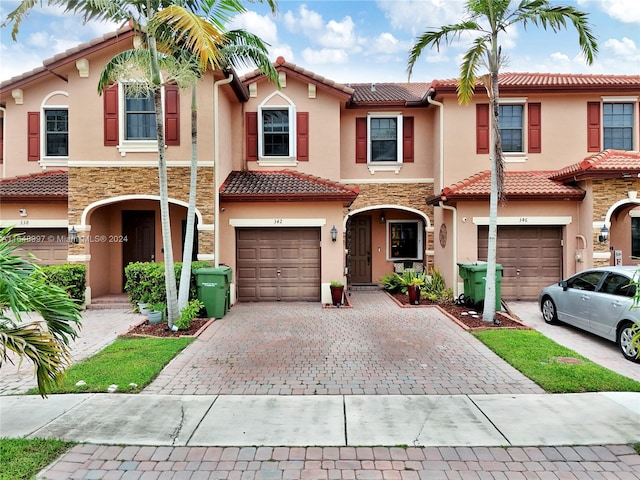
{"x": 328, "y": 420}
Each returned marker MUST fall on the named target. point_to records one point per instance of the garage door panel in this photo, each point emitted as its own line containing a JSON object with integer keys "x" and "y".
{"x": 531, "y": 258}
{"x": 286, "y": 264}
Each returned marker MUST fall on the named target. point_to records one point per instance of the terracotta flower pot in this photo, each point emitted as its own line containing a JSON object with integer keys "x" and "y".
{"x": 414, "y": 294}
{"x": 336, "y": 295}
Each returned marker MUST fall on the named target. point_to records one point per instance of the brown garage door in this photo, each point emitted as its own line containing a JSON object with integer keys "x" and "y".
{"x": 531, "y": 258}
{"x": 278, "y": 264}
{"x": 49, "y": 245}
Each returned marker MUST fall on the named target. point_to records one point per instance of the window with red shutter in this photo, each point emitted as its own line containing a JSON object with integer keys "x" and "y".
{"x": 407, "y": 140}
{"x": 482, "y": 128}
{"x": 302, "y": 134}
{"x": 33, "y": 136}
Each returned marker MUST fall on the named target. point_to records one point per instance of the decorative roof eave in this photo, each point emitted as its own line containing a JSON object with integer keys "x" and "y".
{"x": 67, "y": 57}
{"x": 605, "y": 164}
{"x": 303, "y": 75}
{"x": 453, "y": 197}
{"x": 51, "y": 198}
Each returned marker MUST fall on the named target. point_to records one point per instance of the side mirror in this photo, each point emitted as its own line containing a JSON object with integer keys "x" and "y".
{"x": 564, "y": 285}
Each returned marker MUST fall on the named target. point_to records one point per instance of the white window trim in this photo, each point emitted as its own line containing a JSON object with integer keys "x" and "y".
{"x": 420, "y": 246}
{"x": 132, "y": 146}
{"x": 45, "y": 160}
{"x": 518, "y": 157}
{"x": 385, "y": 166}
{"x": 629, "y": 99}
{"x": 278, "y": 161}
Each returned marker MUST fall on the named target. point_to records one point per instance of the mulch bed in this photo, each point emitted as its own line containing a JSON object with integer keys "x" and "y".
{"x": 160, "y": 329}
{"x": 463, "y": 315}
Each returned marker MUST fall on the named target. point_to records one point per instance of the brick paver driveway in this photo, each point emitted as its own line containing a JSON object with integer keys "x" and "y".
{"x": 376, "y": 347}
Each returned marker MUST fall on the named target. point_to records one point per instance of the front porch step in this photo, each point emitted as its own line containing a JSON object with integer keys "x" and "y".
{"x": 360, "y": 287}
{"x": 110, "y": 302}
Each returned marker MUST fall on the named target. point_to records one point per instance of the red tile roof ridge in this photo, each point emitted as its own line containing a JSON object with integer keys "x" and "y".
{"x": 540, "y": 79}
{"x": 605, "y": 161}
{"x": 30, "y": 176}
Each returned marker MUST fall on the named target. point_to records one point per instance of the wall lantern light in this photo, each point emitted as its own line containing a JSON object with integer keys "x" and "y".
{"x": 73, "y": 235}
{"x": 23, "y": 212}
{"x": 383, "y": 219}
{"x": 604, "y": 234}
{"x": 334, "y": 234}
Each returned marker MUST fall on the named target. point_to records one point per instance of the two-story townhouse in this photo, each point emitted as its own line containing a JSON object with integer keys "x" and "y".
{"x": 318, "y": 181}
{"x": 103, "y": 152}
{"x": 572, "y": 167}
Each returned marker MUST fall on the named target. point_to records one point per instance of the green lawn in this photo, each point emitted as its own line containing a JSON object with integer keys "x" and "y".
{"x": 131, "y": 363}
{"x": 536, "y": 356}
{"x": 22, "y": 458}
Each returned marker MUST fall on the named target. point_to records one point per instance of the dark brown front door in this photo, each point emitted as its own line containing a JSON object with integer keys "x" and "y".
{"x": 138, "y": 227}
{"x": 531, "y": 259}
{"x": 360, "y": 262}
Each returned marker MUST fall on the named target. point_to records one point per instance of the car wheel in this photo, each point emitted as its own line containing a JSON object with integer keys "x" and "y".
{"x": 549, "y": 312}
{"x": 625, "y": 334}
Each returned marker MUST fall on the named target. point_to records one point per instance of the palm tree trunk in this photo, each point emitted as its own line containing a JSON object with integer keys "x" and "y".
{"x": 185, "y": 275}
{"x": 169, "y": 272}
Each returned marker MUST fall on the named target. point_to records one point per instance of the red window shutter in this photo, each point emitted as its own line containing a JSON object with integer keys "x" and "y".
{"x": 110, "y": 98}
{"x": 535, "y": 128}
{"x": 593, "y": 126}
{"x": 361, "y": 140}
{"x": 302, "y": 133}
{"x": 1, "y": 139}
{"x": 482, "y": 128}
{"x": 407, "y": 140}
{"x": 251, "y": 119}
{"x": 33, "y": 136}
{"x": 171, "y": 115}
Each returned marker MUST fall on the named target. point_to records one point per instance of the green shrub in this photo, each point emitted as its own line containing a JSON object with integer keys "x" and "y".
{"x": 70, "y": 277}
{"x": 435, "y": 288}
{"x": 146, "y": 279}
{"x": 188, "y": 313}
{"x": 391, "y": 282}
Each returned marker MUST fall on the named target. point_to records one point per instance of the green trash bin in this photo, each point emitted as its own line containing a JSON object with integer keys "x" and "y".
{"x": 474, "y": 277}
{"x": 213, "y": 286}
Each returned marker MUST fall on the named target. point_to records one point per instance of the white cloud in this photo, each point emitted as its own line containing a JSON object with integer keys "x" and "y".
{"x": 260, "y": 25}
{"x": 386, "y": 43}
{"x": 621, "y": 56}
{"x": 625, "y": 11}
{"x": 416, "y": 16}
{"x": 306, "y": 20}
{"x": 324, "y": 56}
{"x": 338, "y": 34}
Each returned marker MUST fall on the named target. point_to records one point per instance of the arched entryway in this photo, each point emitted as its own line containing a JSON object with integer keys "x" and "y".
{"x": 623, "y": 221}
{"x": 121, "y": 230}
{"x": 381, "y": 239}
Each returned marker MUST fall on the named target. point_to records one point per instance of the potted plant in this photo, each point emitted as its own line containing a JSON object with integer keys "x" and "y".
{"x": 156, "y": 312}
{"x": 337, "y": 290}
{"x": 143, "y": 304}
{"x": 411, "y": 283}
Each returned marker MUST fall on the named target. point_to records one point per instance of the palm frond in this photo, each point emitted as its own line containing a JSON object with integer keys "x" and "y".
{"x": 242, "y": 49}
{"x": 472, "y": 60}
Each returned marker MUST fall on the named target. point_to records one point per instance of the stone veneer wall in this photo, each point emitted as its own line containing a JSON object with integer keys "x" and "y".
{"x": 89, "y": 184}
{"x": 605, "y": 193}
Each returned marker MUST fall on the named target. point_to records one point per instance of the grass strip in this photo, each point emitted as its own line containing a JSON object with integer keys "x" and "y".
{"x": 22, "y": 458}
{"x": 130, "y": 362}
{"x": 540, "y": 359}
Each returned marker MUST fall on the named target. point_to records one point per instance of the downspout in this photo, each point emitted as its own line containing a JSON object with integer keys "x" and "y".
{"x": 216, "y": 170}
{"x": 454, "y": 235}
{"x": 440, "y": 139}
{"x": 4, "y": 157}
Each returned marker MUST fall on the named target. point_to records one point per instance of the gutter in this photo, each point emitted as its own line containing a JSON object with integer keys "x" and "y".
{"x": 440, "y": 138}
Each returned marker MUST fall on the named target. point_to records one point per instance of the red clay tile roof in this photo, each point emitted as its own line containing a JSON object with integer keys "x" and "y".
{"x": 609, "y": 163}
{"x": 299, "y": 72}
{"x": 40, "y": 186}
{"x": 535, "y": 185}
{"x": 282, "y": 185}
{"x": 389, "y": 93}
{"x": 553, "y": 82}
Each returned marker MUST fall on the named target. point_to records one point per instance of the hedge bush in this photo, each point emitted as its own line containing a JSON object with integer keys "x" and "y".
{"x": 148, "y": 278}
{"x": 70, "y": 277}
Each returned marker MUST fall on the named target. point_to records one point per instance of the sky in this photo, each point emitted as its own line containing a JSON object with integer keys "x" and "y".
{"x": 352, "y": 41}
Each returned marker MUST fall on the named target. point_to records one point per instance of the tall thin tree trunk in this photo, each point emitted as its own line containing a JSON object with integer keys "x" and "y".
{"x": 169, "y": 272}
{"x": 185, "y": 275}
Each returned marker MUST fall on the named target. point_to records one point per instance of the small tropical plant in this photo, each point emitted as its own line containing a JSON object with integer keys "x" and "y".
{"x": 335, "y": 283}
{"x": 188, "y": 313}
{"x": 391, "y": 282}
{"x": 435, "y": 288}
{"x": 25, "y": 288}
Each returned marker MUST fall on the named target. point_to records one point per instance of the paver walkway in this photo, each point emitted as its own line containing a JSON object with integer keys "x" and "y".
{"x": 302, "y": 349}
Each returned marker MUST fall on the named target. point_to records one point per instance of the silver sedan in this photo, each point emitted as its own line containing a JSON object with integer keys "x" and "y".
{"x": 600, "y": 301}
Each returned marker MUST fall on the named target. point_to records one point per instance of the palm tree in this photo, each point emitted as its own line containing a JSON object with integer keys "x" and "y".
{"x": 24, "y": 288}
{"x": 486, "y": 19}
{"x": 201, "y": 38}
